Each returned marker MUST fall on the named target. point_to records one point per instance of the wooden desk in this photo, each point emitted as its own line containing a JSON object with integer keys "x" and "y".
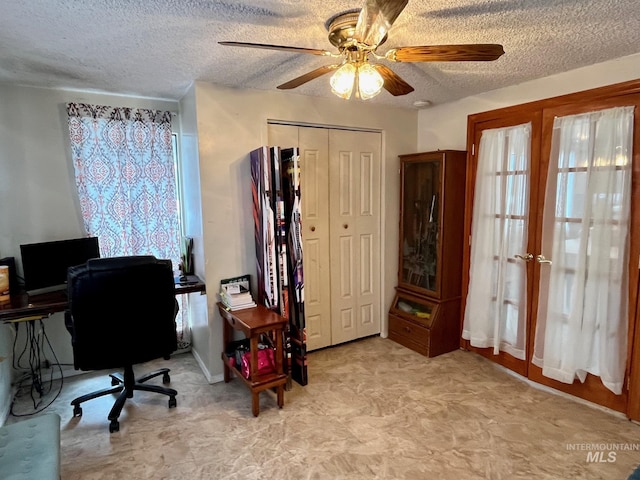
{"x": 22, "y": 305}
{"x": 192, "y": 284}
{"x": 253, "y": 322}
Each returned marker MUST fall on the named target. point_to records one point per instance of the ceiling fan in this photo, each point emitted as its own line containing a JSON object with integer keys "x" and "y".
{"x": 357, "y": 34}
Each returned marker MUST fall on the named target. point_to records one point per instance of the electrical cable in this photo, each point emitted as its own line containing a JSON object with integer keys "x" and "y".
{"x": 36, "y": 341}
{"x": 19, "y": 357}
{"x": 34, "y": 361}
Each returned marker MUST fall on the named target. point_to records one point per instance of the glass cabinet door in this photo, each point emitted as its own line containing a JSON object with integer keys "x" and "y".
{"x": 417, "y": 309}
{"x": 420, "y": 197}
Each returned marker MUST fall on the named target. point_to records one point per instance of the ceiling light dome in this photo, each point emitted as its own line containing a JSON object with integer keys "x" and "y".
{"x": 370, "y": 82}
{"x": 342, "y": 81}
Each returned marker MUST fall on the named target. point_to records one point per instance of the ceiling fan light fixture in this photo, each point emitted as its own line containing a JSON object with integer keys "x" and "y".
{"x": 342, "y": 80}
{"x": 370, "y": 82}
{"x": 364, "y": 77}
{"x": 357, "y": 34}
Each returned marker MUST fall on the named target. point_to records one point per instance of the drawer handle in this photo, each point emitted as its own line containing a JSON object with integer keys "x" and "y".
{"x": 407, "y": 329}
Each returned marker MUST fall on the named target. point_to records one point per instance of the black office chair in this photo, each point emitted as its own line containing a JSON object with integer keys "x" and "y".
{"x": 122, "y": 312}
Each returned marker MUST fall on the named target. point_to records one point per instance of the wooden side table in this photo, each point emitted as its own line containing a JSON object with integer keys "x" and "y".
{"x": 253, "y": 322}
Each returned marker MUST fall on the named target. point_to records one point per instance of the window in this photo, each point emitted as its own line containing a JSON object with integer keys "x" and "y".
{"x": 126, "y": 172}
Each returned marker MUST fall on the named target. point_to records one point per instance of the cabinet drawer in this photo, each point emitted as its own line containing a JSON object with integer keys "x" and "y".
{"x": 409, "y": 334}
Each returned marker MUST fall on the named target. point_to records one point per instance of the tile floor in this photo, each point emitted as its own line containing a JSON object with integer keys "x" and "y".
{"x": 372, "y": 410}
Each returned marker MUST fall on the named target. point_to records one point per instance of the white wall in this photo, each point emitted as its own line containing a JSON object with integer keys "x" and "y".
{"x": 6, "y": 345}
{"x": 192, "y": 217}
{"x": 445, "y": 126}
{"x": 233, "y": 122}
{"x": 37, "y": 187}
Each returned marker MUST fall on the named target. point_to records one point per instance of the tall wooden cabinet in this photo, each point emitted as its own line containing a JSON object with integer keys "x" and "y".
{"x": 425, "y": 314}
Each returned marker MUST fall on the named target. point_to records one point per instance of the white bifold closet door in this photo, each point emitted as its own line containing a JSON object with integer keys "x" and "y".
{"x": 340, "y": 196}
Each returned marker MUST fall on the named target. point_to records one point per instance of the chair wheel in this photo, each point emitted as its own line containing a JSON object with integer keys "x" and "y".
{"x": 114, "y": 426}
{"x": 172, "y": 402}
{"x": 77, "y": 411}
{"x": 166, "y": 378}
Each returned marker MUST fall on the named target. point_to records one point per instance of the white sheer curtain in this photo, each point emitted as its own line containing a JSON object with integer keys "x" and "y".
{"x": 495, "y": 313}
{"x": 582, "y": 323}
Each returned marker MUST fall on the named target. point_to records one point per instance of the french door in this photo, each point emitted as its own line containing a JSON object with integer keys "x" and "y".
{"x": 570, "y": 227}
{"x": 553, "y": 188}
{"x": 512, "y": 222}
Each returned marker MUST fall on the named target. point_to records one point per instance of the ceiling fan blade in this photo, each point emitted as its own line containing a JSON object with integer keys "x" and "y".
{"x": 284, "y": 48}
{"x": 475, "y": 52}
{"x": 296, "y": 82}
{"x": 395, "y": 85}
{"x": 376, "y": 17}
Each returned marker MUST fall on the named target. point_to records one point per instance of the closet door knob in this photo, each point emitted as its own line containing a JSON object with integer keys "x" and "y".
{"x": 345, "y": 226}
{"x": 313, "y": 229}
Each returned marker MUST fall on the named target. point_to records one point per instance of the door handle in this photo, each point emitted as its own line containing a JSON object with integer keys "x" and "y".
{"x": 527, "y": 257}
{"x": 541, "y": 259}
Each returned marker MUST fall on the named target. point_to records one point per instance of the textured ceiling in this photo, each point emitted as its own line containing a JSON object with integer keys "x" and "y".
{"x": 157, "y": 48}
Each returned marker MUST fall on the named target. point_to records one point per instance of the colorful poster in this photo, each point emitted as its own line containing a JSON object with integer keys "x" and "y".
{"x": 276, "y": 193}
{"x": 264, "y": 219}
{"x": 292, "y": 211}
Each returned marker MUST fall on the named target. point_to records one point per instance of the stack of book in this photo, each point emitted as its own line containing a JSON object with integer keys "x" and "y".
{"x": 235, "y": 293}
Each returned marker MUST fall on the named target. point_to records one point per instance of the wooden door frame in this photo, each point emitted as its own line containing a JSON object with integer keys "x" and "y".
{"x": 629, "y": 401}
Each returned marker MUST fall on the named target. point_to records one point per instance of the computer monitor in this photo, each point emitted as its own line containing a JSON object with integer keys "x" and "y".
{"x": 45, "y": 264}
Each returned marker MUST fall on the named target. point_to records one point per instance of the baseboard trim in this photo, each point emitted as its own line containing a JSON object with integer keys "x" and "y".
{"x": 210, "y": 378}
{"x": 560, "y": 393}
